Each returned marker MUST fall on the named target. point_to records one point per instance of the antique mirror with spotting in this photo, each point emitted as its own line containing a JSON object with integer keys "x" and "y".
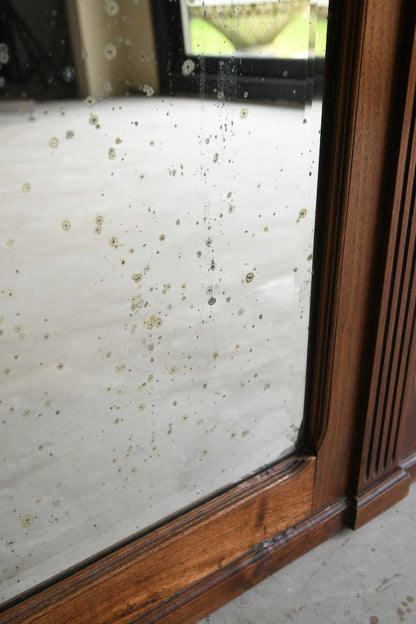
{"x": 160, "y": 234}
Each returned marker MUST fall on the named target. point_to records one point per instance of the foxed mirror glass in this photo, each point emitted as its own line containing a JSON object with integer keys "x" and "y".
{"x": 157, "y": 214}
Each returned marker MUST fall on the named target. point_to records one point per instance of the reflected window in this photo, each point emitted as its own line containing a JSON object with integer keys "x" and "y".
{"x": 272, "y": 51}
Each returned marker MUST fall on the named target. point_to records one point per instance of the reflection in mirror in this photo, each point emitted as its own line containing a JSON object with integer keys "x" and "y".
{"x": 272, "y": 29}
{"x": 155, "y": 265}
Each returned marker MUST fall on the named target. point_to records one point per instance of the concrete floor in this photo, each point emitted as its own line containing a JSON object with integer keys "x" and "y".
{"x": 357, "y": 577}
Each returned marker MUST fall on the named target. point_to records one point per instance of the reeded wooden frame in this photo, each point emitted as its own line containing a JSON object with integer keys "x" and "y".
{"x": 358, "y": 449}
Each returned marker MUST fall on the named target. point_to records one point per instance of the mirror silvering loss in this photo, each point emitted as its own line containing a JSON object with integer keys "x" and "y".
{"x": 156, "y": 258}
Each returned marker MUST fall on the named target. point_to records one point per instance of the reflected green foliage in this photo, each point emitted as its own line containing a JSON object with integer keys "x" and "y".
{"x": 206, "y": 40}
{"x": 291, "y": 42}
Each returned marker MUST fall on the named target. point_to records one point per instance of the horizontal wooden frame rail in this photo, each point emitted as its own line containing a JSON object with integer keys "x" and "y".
{"x": 185, "y": 568}
{"x": 256, "y": 565}
{"x": 129, "y": 583}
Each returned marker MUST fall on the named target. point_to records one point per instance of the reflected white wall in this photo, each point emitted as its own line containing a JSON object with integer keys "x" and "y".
{"x": 154, "y": 313}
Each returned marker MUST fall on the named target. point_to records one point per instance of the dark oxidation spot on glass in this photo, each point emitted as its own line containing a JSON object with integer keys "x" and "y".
{"x": 27, "y": 521}
{"x": 110, "y": 51}
{"x": 302, "y": 214}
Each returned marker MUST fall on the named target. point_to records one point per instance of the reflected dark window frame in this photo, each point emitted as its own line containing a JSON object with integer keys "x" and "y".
{"x": 296, "y": 81}
{"x": 41, "y": 64}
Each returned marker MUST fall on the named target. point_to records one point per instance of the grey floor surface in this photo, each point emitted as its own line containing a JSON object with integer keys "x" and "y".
{"x": 357, "y": 577}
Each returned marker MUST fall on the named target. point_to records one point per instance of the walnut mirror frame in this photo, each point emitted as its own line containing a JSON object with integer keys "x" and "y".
{"x": 359, "y": 441}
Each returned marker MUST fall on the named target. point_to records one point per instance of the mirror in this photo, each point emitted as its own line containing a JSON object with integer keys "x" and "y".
{"x": 156, "y": 260}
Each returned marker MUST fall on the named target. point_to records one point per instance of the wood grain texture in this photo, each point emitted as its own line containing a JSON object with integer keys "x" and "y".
{"x": 151, "y": 570}
{"x": 407, "y": 440}
{"x": 392, "y": 376}
{"x": 367, "y": 113}
{"x": 266, "y": 558}
{"x": 379, "y": 497}
{"x": 408, "y": 437}
{"x": 408, "y": 463}
{"x": 339, "y": 111}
